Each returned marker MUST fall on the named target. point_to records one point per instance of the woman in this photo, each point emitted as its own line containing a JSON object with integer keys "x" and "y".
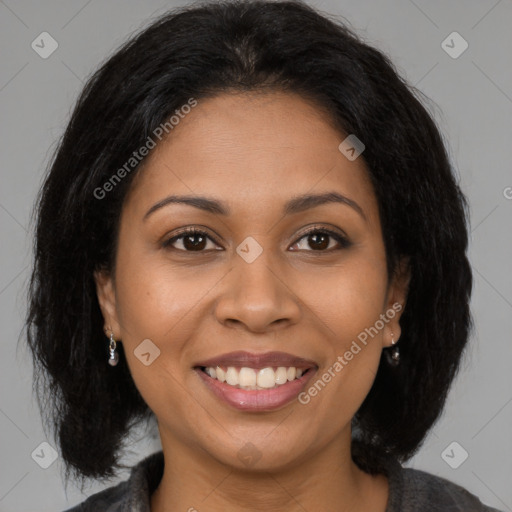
{"x": 251, "y": 231}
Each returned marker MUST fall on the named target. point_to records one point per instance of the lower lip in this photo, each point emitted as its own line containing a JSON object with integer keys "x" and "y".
{"x": 257, "y": 400}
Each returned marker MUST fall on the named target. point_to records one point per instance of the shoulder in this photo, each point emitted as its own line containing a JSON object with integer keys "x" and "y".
{"x": 425, "y": 491}
{"x": 132, "y": 494}
{"x": 414, "y": 490}
{"x": 108, "y": 500}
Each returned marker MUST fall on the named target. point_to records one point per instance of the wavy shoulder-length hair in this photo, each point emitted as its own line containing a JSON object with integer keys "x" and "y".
{"x": 204, "y": 50}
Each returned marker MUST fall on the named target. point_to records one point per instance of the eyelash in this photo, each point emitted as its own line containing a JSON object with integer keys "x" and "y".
{"x": 344, "y": 242}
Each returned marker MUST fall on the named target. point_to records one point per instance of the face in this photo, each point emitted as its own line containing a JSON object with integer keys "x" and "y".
{"x": 265, "y": 272}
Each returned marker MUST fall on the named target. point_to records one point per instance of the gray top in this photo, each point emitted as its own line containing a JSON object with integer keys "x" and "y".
{"x": 410, "y": 490}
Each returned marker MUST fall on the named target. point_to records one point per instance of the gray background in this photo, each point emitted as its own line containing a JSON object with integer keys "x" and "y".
{"x": 473, "y": 94}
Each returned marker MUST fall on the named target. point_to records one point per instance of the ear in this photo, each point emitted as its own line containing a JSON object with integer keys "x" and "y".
{"x": 396, "y": 300}
{"x": 107, "y": 299}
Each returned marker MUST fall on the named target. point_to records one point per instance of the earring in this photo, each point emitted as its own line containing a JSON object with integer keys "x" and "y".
{"x": 394, "y": 356}
{"x": 114, "y": 356}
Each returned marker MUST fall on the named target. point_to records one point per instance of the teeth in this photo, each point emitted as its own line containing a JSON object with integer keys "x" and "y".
{"x": 281, "y": 375}
{"x": 246, "y": 377}
{"x": 231, "y": 376}
{"x": 221, "y": 374}
{"x": 249, "y": 378}
{"x": 266, "y": 378}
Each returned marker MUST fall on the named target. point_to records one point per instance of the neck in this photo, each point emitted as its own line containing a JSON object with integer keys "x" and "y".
{"x": 325, "y": 480}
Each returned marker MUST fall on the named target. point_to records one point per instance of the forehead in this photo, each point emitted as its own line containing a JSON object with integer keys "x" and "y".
{"x": 252, "y": 150}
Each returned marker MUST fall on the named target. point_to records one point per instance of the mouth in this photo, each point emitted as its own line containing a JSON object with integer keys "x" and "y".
{"x": 256, "y": 382}
{"x": 251, "y": 379}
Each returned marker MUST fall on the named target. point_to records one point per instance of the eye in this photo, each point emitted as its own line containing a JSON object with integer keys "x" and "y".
{"x": 318, "y": 239}
{"x": 192, "y": 239}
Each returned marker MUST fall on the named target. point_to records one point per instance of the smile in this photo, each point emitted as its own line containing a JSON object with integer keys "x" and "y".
{"x": 253, "y": 378}
{"x": 255, "y": 390}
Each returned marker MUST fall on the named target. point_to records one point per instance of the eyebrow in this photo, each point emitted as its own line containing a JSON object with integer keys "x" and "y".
{"x": 294, "y": 205}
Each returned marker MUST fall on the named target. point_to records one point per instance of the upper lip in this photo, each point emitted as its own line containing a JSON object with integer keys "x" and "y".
{"x": 242, "y": 358}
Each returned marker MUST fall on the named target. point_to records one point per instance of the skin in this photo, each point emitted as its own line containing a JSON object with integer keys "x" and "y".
{"x": 253, "y": 152}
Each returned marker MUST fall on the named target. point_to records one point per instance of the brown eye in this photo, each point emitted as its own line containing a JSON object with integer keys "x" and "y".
{"x": 319, "y": 240}
{"x": 192, "y": 240}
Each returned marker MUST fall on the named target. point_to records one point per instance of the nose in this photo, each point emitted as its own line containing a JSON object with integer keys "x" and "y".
{"x": 257, "y": 297}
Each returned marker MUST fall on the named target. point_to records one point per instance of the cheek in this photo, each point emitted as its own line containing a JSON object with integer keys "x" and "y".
{"x": 348, "y": 297}
{"x": 154, "y": 303}
{"x": 347, "y": 301}
{"x": 162, "y": 302}
{"x": 346, "y": 310}
{"x": 154, "y": 296}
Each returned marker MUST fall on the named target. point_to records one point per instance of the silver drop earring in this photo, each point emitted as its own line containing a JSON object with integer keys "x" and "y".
{"x": 114, "y": 356}
{"x": 394, "y": 359}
